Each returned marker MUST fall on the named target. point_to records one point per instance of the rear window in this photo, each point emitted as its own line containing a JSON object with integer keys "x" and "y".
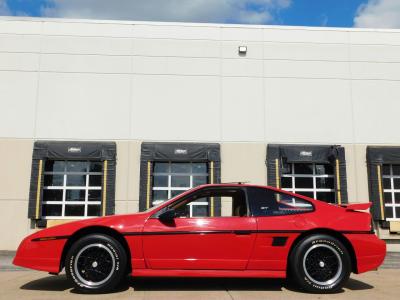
{"x": 265, "y": 202}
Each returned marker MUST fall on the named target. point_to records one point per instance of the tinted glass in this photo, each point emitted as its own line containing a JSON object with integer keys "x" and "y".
{"x": 303, "y": 182}
{"x": 76, "y": 180}
{"x": 389, "y": 212}
{"x": 386, "y": 170}
{"x": 325, "y": 183}
{"x": 160, "y": 181}
{"x": 95, "y": 180}
{"x": 199, "y": 168}
{"x": 94, "y": 210}
{"x": 53, "y": 180}
{"x": 326, "y": 196}
{"x": 199, "y": 180}
{"x": 161, "y": 167}
{"x": 77, "y": 166}
{"x": 180, "y": 181}
{"x": 95, "y": 166}
{"x": 387, "y": 183}
{"x": 94, "y": 195}
{"x": 75, "y": 195}
{"x": 286, "y": 182}
{"x": 52, "y": 195}
{"x": 54, "y": 166}
{"x": 387, "y": 197}
{"x": 52, "y": 210}
{"x": 180, "y": 168}
{"x": 74, "y": 210}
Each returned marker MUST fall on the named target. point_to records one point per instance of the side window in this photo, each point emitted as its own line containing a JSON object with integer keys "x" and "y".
{"x": 233, "y": 202}
{"x": 264, "y": 202}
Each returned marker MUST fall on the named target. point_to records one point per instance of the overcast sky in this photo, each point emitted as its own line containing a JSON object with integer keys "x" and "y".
{"x": 337, "y": 13}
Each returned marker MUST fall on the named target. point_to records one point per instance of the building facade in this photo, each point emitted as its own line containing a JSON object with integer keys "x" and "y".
{"x": 105, "y": 117}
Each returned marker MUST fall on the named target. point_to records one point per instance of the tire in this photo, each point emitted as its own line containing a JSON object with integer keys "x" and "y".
{"x": 320, "y": 264}
{"x": 96, "y": 264}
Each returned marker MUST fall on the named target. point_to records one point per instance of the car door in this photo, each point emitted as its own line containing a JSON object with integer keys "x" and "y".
{"x": 201, "y": 242}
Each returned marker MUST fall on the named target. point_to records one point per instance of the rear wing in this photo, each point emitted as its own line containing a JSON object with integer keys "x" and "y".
{"x": 357, "y": 206}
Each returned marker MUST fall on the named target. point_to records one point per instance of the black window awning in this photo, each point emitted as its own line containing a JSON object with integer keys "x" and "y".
{"x": 180, "y": 152}
{"x": 74, "y": 150}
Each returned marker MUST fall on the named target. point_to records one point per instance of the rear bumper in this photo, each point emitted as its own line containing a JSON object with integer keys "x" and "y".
{"x": 40, "y": 255}
{"x": 369, "y": 250}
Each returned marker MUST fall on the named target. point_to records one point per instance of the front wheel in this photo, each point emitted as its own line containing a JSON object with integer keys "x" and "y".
{"x": 320, "y": 264}
{"x": 96, "y": 263}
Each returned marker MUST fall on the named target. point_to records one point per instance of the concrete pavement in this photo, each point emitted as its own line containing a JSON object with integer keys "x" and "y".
{"x": 382, "y": 284}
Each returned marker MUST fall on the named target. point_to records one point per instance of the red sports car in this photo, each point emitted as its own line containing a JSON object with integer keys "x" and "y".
{"x": 262, "y": 232}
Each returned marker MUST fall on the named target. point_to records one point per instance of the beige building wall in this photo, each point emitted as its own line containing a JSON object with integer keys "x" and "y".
{"x": 15, "y": 173}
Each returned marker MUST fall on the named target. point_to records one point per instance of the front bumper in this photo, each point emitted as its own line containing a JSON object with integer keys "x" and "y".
{"x": 40, "y": 255}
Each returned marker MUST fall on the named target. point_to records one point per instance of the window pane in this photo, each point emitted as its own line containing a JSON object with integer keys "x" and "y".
{"x": 161, "y": 167}
{"x": 286, "y": 182}
{"x": 74, "y": 210}
{"x": 396, "y": 169}
{"x": 95, "y": 166}
{"x": 396, "y": 183}
{"x": 301, "y": 182}
{"x": 53, "y": 180}
{"x": 52, "y": 210}
{"x": 180, "y": 181}
{"x": 325, "y": 183}
{"x": 389, "y": 212}
{"x": 76, "y": 180}
{"x": 387, "y": 183}
{"x": 198, "y": 180}
{"x": 326, "y": 196}
{"x": 200, "y": 210}
{"x": 180, "y": 168}
{"x": 303, "y": 168}
{"x": 386, "y": 170}
{"x": 388, "y": 197}
{"x": 94, "y": 195}
{"x": 397, "y": 198}
{"x": 54, "y": 166}
{"x": 77, "y": 166}
{"x": 52, "y": 195}
{"x": 397, "y": 210}
{"x": 75, "y": 195}
{"x": 324, "y": 169}
{"x": 307, "y": 194}
{"x": 199, "y": 168}
{"x": 160, "y": 195}
{"x": 94, "y": 210}
{"x": 160, "y": 181}
{"x": 95, "y": 180}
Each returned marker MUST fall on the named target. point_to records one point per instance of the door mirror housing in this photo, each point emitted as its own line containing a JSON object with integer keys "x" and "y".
{"x": 168, "y": 215}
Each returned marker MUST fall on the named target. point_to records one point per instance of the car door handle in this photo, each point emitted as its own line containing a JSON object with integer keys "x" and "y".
{"x": 242, "y": 232}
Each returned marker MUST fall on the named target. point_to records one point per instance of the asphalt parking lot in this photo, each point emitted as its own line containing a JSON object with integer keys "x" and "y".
{"x": 381, "y": 284}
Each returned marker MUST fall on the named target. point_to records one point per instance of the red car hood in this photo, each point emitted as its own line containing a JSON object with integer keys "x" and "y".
{"x": 120, "y": 223}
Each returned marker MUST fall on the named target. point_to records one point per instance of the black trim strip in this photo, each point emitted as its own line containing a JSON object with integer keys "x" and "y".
{"x": 51, "y": 238}
{"x": 237, "y": 232}
{"x": 279, "y": 241}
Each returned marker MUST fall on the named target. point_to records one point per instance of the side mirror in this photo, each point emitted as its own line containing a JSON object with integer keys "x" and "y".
{"x": 167, "y": 216}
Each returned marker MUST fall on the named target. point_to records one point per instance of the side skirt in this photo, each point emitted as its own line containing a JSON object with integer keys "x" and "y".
{"x": 208, "y": 273}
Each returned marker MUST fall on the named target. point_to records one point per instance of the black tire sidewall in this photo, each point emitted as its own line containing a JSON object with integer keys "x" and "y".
{"x": 297, "y": 269}
{"x": 118, "y": 272}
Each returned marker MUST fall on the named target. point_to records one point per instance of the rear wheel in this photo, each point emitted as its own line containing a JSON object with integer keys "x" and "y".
{"x": 320, "y": 264}
{"x": 96, "y": 263}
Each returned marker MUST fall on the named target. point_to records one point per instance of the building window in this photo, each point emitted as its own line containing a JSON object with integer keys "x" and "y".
{"x": 313, "y": 180}
{"x": 72, "y": 189}
{"x": 391, "y": 190}
{"x": 172, "y": 178}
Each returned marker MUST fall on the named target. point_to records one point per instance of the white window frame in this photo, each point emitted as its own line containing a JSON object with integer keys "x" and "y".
{"x": 64, "y": 189}
{"x": 392, "y": 191}
{"x": 314, "y": 176}
{"x": 170, "y": 188}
